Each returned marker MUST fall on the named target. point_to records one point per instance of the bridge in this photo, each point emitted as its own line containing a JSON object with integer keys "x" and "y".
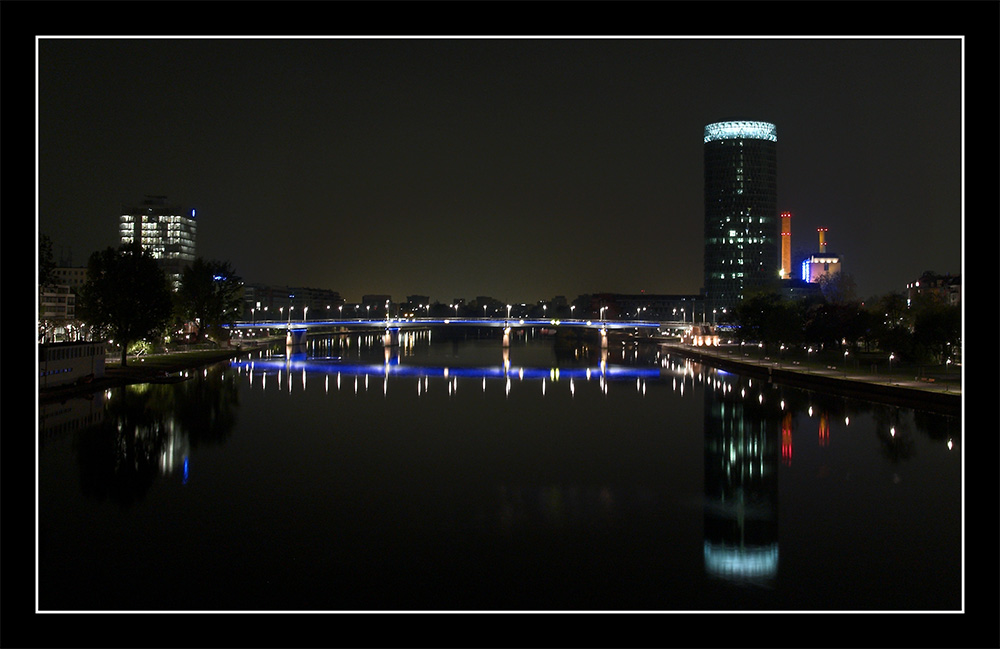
{"x": 297, "y": 331}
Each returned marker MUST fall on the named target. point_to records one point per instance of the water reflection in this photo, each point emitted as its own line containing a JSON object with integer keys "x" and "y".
{"x": 744, "y": 441}
{"x": 128, "y": 437}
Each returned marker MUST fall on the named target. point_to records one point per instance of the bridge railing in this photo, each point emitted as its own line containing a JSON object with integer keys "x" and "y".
{"x": 463, "y": 321}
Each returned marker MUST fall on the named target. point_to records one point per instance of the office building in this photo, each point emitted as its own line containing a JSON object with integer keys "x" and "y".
{"x": 741, "y": 214}
{"x": 166, "y": 231}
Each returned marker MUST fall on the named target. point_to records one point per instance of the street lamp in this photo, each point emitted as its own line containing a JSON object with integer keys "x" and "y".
{"x": 305, "y": 312}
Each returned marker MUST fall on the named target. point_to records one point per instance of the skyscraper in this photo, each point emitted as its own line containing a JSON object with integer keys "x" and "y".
{"x": 741, "y": 212}
{"x": 166, "y": 231}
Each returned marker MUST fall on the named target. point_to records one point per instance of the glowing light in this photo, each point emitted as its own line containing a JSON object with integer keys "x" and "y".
{"x": 746, "y": 130}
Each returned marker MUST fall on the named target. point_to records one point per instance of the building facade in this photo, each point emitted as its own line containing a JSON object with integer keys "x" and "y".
{"x": 65, "y": 363}
{"x": 946, "y": 288}
{"x": 264, "y": 303}
{"x": 741, "y": 214}
{"x": 168, "y": 232}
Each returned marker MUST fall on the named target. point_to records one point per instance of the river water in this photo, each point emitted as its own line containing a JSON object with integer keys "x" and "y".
{"x": 450, "y": 474}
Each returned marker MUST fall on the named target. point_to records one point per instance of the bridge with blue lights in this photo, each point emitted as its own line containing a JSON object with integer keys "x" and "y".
{"x": 403, "y": 323}
{"x": 298, "y": 330}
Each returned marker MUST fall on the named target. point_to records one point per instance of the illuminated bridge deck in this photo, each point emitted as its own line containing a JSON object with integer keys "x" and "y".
{"x": 414, "y": 323}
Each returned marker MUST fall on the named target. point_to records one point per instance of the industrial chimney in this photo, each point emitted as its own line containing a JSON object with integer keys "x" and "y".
{"x": 822, "y": 240}
{"x": 786, "y": 245}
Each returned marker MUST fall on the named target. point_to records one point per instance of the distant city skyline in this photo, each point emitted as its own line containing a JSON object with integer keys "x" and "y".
{"x": 516, "y": 168}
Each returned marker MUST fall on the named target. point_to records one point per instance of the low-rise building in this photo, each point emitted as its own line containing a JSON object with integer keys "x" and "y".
{"x": 946, "y": 287}
{"x": 65, "y": 363}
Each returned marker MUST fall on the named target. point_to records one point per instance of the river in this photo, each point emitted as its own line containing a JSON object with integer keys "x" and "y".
{"x": 450, "y": 474}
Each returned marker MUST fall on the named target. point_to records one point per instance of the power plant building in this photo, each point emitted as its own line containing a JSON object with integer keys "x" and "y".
{"x": 815, "y": 266}
{"x": 741, "y": 213}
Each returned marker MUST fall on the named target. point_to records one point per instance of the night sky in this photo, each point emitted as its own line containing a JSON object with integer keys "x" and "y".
{"x": 518, "y": 168}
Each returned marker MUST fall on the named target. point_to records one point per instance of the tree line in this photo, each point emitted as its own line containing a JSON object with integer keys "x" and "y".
{"x": 926, "y": 329}
{"x": 128, "y": 298}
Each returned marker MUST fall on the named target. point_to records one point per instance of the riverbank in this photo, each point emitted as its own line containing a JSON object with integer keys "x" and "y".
{"x": 153, "y": 368}
{"x": 937, "y": 393}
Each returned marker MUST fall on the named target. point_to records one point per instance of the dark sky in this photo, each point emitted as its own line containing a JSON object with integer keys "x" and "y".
{"x": 519, "y": 168}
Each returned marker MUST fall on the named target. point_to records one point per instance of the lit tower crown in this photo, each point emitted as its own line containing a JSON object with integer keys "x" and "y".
{"x": 822, "y": 240}
{"x": 741, "y": 213}
{"x": 786, "y": 245}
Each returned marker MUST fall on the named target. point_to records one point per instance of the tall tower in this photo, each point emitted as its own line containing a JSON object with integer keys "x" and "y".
{"x": 786, "y": 245}
{"x": 741, "y": 213}
{"x": 166, "y": 231}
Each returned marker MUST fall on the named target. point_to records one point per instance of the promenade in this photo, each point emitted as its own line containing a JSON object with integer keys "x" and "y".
{"x": 940, "y": 390}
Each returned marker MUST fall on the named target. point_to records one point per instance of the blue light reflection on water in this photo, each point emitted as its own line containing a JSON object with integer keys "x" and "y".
{"x": 396, "y": 369}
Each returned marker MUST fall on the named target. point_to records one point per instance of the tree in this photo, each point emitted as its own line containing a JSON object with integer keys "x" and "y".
{"x": 937, "y": 330}
{"x": 211, "y": 295}
{"x": 126, "y": 295}
{"x": 768, "y": 318}
{"x": 891, "y": 324}
{"x": 46, "y": 265}
{"x": 838, "y": 288}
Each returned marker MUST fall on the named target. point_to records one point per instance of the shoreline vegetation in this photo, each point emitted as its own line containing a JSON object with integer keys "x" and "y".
{"x": 939, "y": 390}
